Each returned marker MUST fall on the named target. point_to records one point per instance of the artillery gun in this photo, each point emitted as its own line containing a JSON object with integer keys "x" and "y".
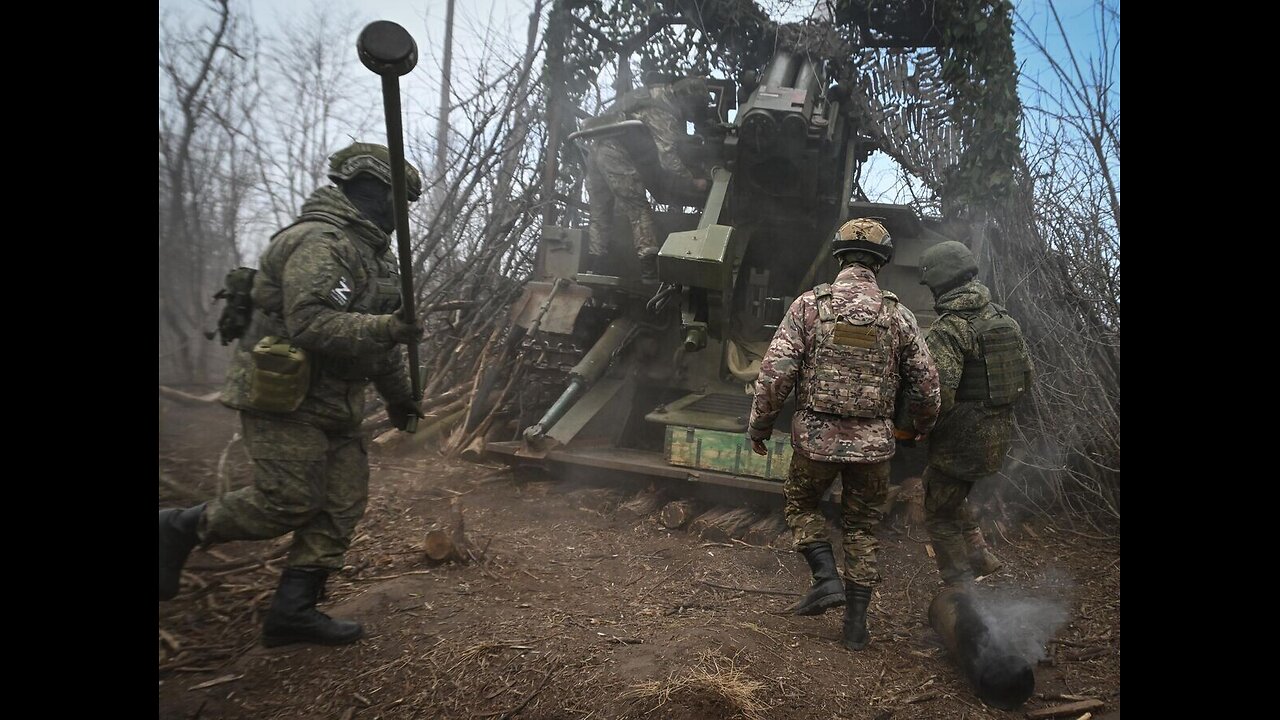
{"x": 657, "y": 380}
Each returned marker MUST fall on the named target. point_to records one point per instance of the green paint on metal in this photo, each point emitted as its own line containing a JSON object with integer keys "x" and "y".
{"x": 727, "y": 452}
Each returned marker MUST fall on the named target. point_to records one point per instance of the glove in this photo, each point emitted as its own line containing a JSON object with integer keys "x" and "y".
{"x": 399, "y": 331}
{"x": 400, "y": 412}
{"x": 907, "y": 438}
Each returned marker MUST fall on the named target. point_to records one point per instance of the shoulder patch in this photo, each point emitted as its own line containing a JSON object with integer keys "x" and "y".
{"x": 340, "y": 295}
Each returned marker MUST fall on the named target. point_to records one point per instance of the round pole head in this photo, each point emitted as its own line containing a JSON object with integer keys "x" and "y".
{"x": 387, "y": 49}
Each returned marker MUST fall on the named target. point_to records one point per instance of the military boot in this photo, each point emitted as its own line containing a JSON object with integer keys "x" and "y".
{"x": 856, "y": 636}
{"x": 981, "y": 559}
{"x": 827, "y": 591}
{"x": 953, "y": 560}
{"x": 293, "y": 616}
{"x": 177, "y": 538}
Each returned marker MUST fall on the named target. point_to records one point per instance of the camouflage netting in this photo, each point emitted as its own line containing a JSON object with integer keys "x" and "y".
{"x": 904, "y": 99}
{"x": 944, "y": 104}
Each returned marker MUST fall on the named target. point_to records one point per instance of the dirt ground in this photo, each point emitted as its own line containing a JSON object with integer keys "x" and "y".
{"x": 576, "y": 611}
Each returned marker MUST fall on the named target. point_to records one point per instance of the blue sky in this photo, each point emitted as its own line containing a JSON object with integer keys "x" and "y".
{"x": 505, "y": 21}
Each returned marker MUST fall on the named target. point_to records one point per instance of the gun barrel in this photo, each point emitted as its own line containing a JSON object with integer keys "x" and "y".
{"x": 584, "y": 375}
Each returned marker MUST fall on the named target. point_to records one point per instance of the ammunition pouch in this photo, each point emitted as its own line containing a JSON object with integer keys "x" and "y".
{"x": 280, "y": 377}
{"x": 238, "y": 312}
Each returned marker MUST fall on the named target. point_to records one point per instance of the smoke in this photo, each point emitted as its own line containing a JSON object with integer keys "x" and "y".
{"x": 1020, "y": 622}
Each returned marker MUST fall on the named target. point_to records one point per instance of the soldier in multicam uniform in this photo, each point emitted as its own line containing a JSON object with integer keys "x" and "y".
{"x": 847, "y": 348}
{"x": 984, "y": 367}
{"x": 621, "y": 166}
{"x": 328, "y": 285}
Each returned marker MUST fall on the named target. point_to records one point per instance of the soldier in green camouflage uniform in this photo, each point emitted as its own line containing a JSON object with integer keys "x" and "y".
{"x": 847, "y": 348}
{"x": 984, "y": 367}
{"x": 621, "y": 166}
{"x": 328, "y": 284}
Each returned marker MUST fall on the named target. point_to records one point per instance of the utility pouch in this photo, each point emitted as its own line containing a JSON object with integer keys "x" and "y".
{"x": 281, "y": 375}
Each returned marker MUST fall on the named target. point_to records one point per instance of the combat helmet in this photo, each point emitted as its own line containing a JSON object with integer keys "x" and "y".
{"x": 866, "y": 235}
{"x": 947, "y": 265}
{"x": 373, "y": 159}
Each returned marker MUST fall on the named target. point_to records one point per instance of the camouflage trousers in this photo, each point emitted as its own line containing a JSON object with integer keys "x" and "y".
{"x": 864, "y": 486}
{"x": 614, "y": 186}
{"x": 307, "y": 481}
{"x": 951, "y": 523}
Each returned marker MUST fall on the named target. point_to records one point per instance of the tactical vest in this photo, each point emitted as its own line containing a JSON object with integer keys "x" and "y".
{"x": 625, "y": 108}
{"x": 638, "y": 144}
{"x": 998, "y": 375}
{"x": 377, "y": 284}
{"x": 377, "y": 278}
{"x": 855, "y": 366}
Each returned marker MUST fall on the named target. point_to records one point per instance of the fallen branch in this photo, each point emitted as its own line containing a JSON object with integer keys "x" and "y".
{"x": 662, "y": 580}
{"x": 237, "y": 564}
{"x": 1071, "y": 709}
{"x": 391, "y": 577}
{"x": 187, "y": 398}
{"x": 751, "y": 590}
{"x": 503, "y": 714}
{"x": 1085, "y": 654}
{"x": 449, "y": 305}
{"x": 216, "y": 681}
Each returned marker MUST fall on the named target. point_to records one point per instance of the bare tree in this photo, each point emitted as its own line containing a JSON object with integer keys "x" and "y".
{"x": 1056, "y": 257}
{"x": 202, "y": 181}
{"x": 311, "y": 103}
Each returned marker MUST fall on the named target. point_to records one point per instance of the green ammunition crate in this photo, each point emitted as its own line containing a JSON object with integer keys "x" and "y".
{"x": 727, "y": 452}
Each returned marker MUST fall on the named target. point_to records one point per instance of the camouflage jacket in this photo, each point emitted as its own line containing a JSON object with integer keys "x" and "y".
{"x": 971, "y": 439}
{"x": 832, "y": 438}
{"x": 323, "y": 282}
{"x": 663, "y": 116}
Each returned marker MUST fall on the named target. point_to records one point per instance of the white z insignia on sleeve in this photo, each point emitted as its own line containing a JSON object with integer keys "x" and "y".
{"x": 341, "y": 294}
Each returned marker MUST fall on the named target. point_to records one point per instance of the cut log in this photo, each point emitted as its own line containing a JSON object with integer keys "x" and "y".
{"x": 475, "y": 451}
{"x": 641, "y": 506}
{"x": 1067, "y": 710}
{"x": 705, "y": 519}
{"x": 763, "y": 531}
{"x": 447, "y": 541}
{"x": 725, "y": 525}
{"x": 439, "y": 544}
{"x": 677, "y": 513}
{"x": 429, "y": 430}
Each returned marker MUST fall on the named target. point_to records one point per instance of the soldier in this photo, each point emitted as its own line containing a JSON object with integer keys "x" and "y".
{"x": 620, "y": 166}
{"x": 984, "y": 367}
{"x": 324, "y": 327}
{"x": 847, "y": 347}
